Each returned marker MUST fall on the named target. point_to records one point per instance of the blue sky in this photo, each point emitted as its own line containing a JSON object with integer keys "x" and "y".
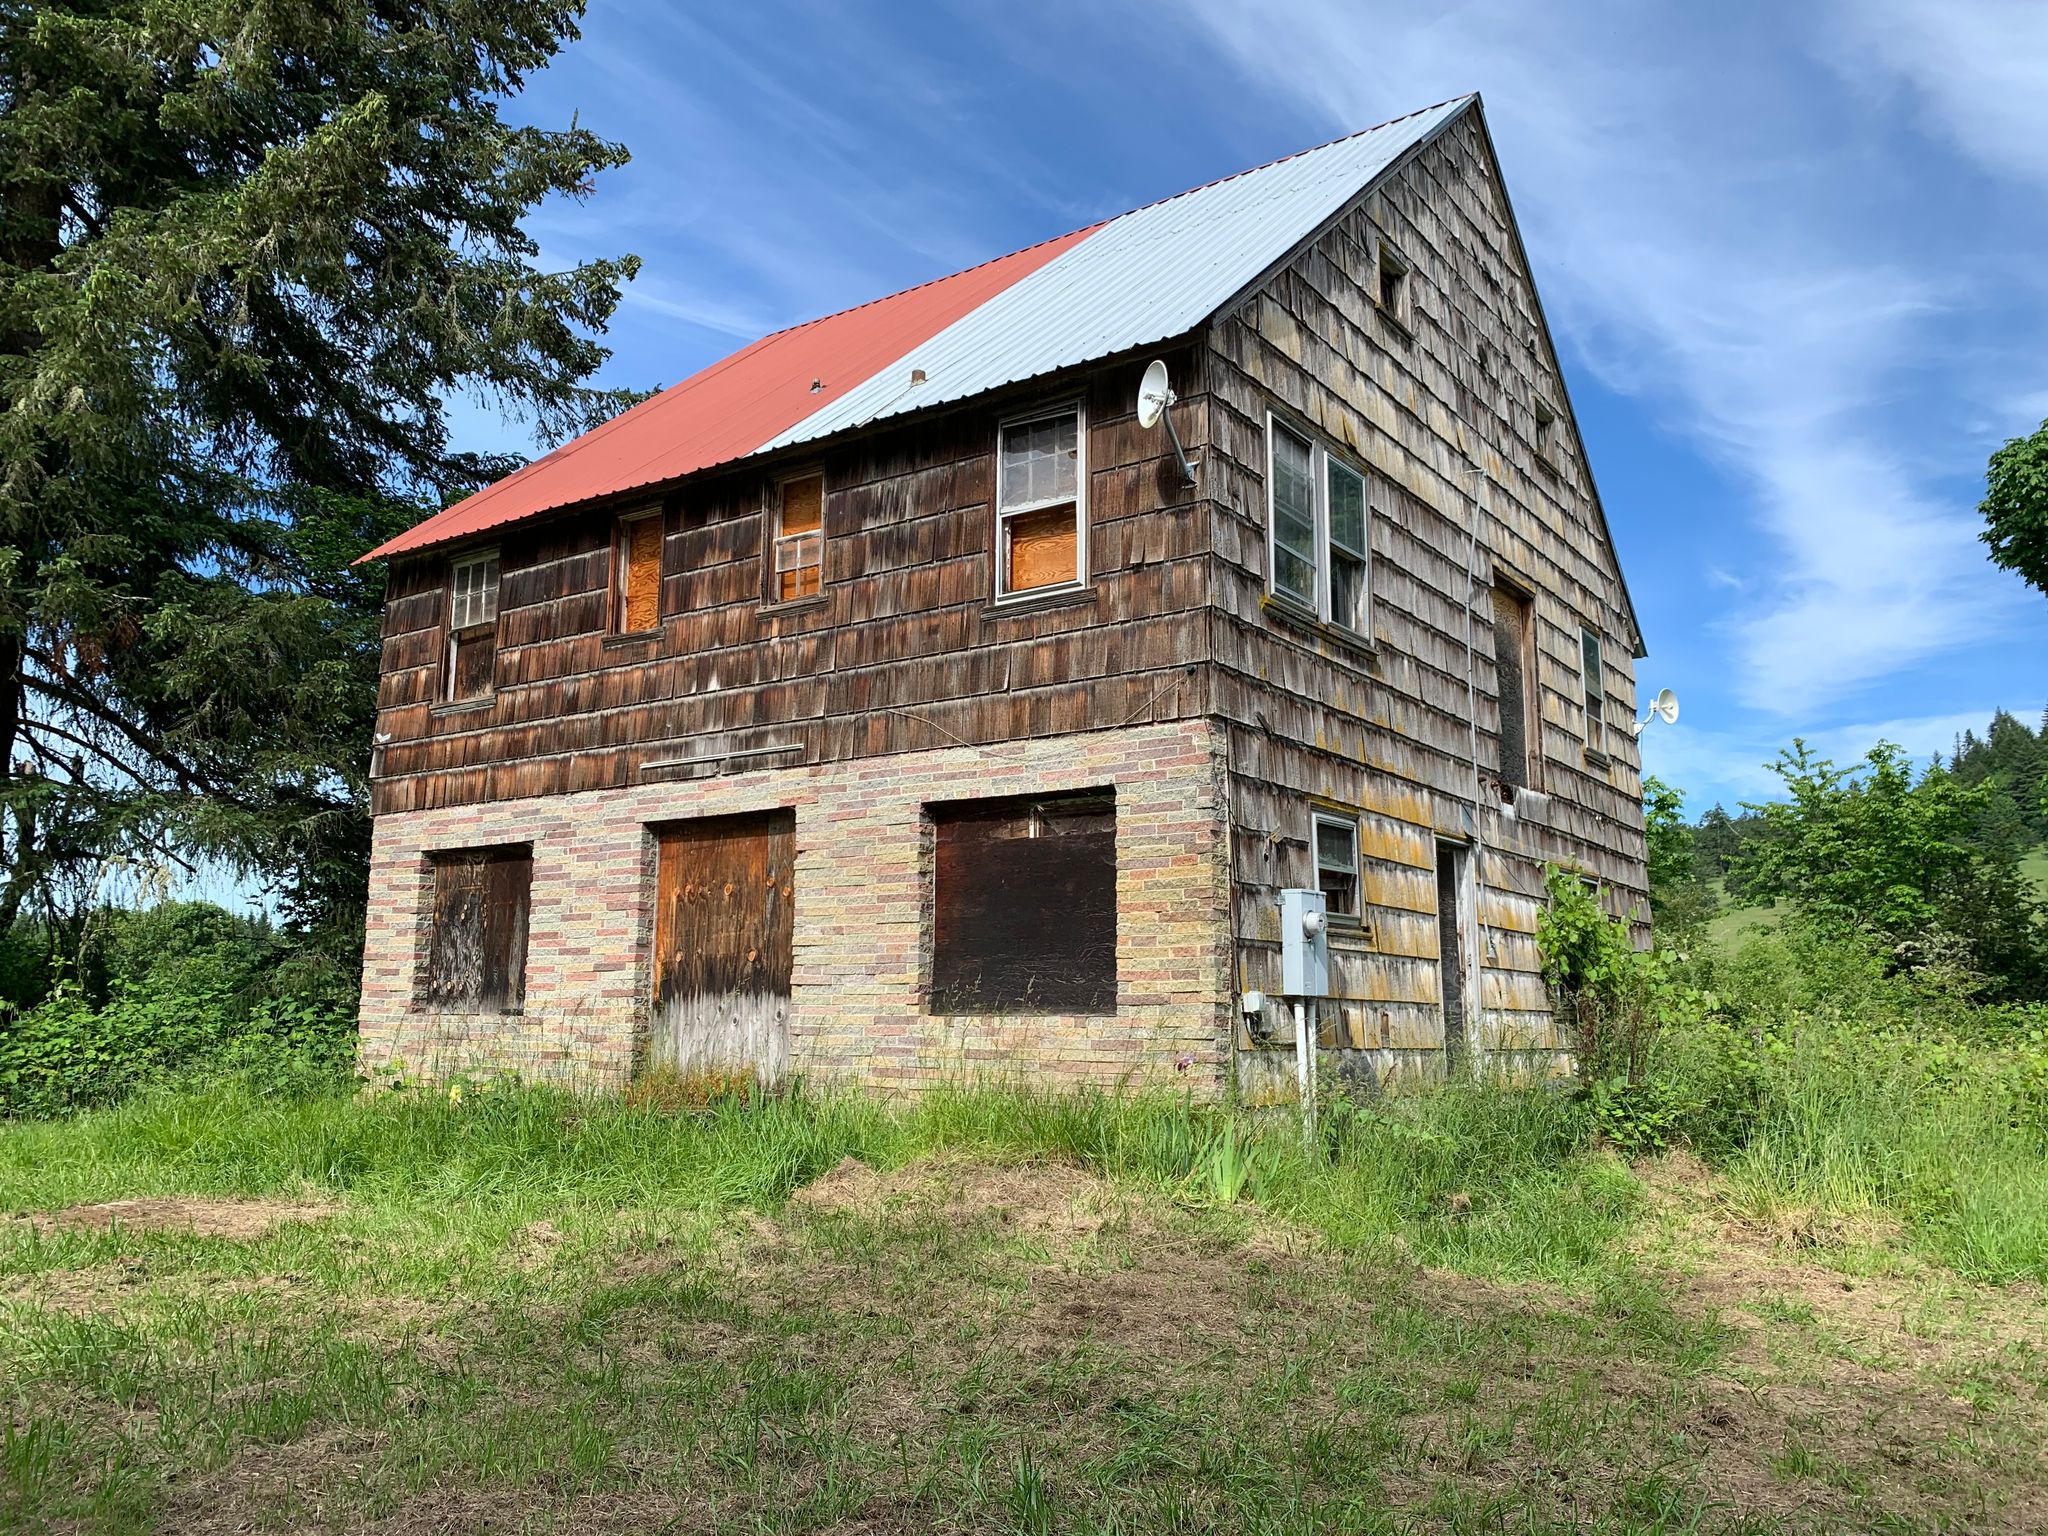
{"x": 1792, "y": 255}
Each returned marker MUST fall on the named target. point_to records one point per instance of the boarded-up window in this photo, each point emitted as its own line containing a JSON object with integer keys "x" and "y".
{"x": 476, "y": 934}
{"x": 1024, "y": 906}
{"x": 1337, "y": 863}
{"x": 473, "y": 627}
{"x": 1514, "y": 664}
{"x": 636, "y": 598}
{"x": 799, "y": 557}
{"x": 1040, "y": 506}
{"x": 1596, "y": 691}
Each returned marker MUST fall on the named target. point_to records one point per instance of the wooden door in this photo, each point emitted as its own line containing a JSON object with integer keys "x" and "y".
{"x": 722, "y": 939}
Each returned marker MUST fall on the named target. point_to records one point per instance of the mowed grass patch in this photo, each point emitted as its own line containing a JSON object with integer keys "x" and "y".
{"x": 992, "y": 1312}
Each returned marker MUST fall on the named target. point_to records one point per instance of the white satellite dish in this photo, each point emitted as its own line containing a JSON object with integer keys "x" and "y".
{"x": 1664, "y": 707}
{"x": 1155, "y": 395}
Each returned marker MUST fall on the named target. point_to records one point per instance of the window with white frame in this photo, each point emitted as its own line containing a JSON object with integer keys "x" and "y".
{"x": 1337, "y": 862}
{"x": 472, "y": 626}
{"x": 1321, "y": 530}
{"x": 1041, "y": 504}
{"x": 1596, "y": 690}
{"x": 799, "y": 538}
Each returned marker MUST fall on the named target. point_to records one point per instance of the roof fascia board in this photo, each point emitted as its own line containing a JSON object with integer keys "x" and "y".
{"x": 1639, "y": 649}
{"x": 1244, "y": 295}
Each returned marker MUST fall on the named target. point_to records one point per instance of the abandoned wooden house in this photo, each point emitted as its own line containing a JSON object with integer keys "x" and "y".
{"x": 890, "y": 702}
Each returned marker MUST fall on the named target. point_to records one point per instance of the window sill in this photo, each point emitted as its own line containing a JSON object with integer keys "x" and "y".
{"x": 794, "y": 605}
{"x": 622, "y": 640}
{"x": 1298, "y": 617}
{"x": 1595, "y": 758}
{"x": 1394, "y": 322}
{"x": 966, "y": 1015}
{"x": 452, "y": 707}
{"x": 1038, "y": 602}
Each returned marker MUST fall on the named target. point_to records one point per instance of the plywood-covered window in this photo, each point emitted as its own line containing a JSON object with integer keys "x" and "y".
{"x": 1041, "y": 505}
{"x": 476, "y": 932}
{"x": 636, "y": 574}
{"x": 1320, "y": 521}
{"x": 1594, "y": 682}
{"x": 798, "y": 562}
{"x": 1337, "y": 862}
{"x": 472, "y": 627}
{"x": 1024, "y": 905}
{"x": 1514, "y": 670}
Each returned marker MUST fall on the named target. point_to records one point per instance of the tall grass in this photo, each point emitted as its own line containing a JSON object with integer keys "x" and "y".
{"x": 1828, "y": 1090}
{"x": 1481, "y": 1176}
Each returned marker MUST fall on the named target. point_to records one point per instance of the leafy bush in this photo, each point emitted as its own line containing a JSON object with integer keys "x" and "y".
{"x": 64, "y": 1054}
{"x": 179, "y": 990}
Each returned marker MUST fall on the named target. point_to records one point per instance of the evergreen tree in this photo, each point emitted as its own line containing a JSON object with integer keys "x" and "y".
{"x": 246, "y": 253}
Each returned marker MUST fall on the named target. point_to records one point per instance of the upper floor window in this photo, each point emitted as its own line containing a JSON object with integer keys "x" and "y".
{"x": 473, "y": 627}
{"x": 1515, "y": 685}
{"x": 1546, "y": 433}
{"x": 1596, "y": 691}
{"x": 1320, "y": 529}
{"x": 1390, "y": 283}
{"x": 1041, "y": 505}
{"x": 799, "y": 559}
{"x": 1337, "y": 862}
{"x": 636, "y": 580}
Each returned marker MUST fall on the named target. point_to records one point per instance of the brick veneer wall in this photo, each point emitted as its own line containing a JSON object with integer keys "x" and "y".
{"x": 857, "y": 1011}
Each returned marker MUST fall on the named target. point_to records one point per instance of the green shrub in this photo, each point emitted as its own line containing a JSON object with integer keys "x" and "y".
{"x": 64, "y": 1054}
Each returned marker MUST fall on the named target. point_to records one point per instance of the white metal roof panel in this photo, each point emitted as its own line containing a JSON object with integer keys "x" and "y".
{"x": 1143, "y": 277}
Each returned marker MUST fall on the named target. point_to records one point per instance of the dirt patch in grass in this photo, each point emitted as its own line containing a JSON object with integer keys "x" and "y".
{"x": 1048, "y": 1198}
{"x": 200, "y": 1216}
{"x": 303, "y": 1485}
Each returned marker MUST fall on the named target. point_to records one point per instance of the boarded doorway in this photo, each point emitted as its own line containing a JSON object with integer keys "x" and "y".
{"x": 1453, "y": 904}
{"x": 725, "y": 897}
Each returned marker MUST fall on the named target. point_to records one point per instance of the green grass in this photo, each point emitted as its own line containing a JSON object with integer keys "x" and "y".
{"x": 1037, "y": 1314}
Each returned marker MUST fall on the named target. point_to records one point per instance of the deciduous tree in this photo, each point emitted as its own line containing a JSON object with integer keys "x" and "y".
{"x": 2015, "y": 507}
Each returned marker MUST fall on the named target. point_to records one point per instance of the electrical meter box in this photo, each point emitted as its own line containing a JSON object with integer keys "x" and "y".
{"x": 1304, "y": 945}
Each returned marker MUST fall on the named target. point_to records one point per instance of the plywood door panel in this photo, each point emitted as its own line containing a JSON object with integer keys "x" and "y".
{"x": 722, "y": 946}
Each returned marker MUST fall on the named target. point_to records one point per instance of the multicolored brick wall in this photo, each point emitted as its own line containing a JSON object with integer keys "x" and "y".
{"x": 857, "y": 1009}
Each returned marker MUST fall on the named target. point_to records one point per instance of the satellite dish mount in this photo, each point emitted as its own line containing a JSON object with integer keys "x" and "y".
{"x": 1155, "y": 401}
{"x": 1664, "y": 707}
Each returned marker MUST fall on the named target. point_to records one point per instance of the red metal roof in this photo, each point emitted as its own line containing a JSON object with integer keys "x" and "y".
{"x": 732, "y": 407}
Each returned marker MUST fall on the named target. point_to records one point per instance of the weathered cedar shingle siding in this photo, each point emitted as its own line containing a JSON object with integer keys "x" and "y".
{"x": 1391, "y": 731}
{"x": 906, "y": 651}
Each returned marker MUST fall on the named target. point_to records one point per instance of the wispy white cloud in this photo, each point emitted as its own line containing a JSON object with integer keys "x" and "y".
{"x": 1710, "y": 238}
{"x": 1738, "y": 763}
{"x": 1977, "y": 69}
